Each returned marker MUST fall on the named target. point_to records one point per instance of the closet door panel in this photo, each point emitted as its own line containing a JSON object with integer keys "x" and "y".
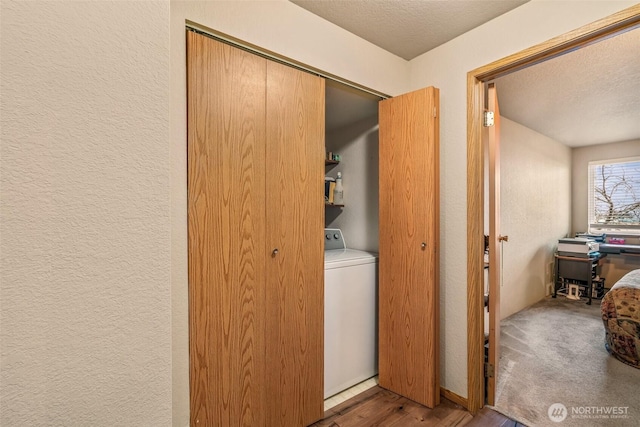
{"x": 491, "y": 137}
{"x": 295, "y": 209}
{"x": 226, "y": 215}
{"x": 409, "y": 241}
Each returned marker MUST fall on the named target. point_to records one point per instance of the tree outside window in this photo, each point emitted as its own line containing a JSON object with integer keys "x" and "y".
{"x": 614, "y": 195}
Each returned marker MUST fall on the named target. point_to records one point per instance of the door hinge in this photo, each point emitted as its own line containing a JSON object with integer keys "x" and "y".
{"x": 488, "y": 119}
{"x": 434, "y": 113}
{"x": 489, "y": 370}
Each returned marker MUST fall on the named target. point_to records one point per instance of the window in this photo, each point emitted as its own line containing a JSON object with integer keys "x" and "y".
{"x": 614, "y": 196}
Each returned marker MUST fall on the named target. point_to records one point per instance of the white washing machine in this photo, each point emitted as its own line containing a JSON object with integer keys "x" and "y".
{"x": 350, "y": 314}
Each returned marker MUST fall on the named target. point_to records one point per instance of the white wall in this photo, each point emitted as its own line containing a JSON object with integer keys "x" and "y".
{"x": 288, "y": 30}
{"x": 535, "y": 204}
{"x": 446, "y": 67}
{"x": 358, "y": 146}
{"x": 85, "y": 214}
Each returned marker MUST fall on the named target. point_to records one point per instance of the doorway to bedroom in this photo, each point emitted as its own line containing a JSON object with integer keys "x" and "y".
{"x": 538, "y": 262}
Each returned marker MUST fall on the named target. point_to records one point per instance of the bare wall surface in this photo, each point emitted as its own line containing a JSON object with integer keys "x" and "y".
{"x": 85, "y": 214}
{"x": 446, "y": 67}
{"x": 535, "y": 203}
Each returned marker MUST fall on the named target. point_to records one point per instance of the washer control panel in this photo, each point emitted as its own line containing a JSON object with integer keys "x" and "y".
{"x": 333, "y": 239}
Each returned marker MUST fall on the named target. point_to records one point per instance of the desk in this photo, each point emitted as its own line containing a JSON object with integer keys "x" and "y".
{"x": 625, "y": 249}
{"x": 578, "y": 271}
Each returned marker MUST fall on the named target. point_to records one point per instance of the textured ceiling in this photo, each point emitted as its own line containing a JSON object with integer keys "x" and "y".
{"x": 586, "y": 97}
{"x": 408, "y": 28}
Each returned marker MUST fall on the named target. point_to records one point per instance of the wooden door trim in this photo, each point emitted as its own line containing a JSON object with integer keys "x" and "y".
{"x": 455, "y": 398}
{"x": 583, "y": 36}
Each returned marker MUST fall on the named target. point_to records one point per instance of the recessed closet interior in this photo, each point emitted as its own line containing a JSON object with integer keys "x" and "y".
{"x": 351, "y": 130}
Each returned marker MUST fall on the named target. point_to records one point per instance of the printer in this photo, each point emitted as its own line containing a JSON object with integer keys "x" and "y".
{"x": 578, "y": 247}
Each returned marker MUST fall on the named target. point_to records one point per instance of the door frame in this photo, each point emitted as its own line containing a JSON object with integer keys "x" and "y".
{"x": 576, "y": 39}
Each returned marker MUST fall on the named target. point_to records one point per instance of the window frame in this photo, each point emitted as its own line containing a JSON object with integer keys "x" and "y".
{"x": 594, "y": 227}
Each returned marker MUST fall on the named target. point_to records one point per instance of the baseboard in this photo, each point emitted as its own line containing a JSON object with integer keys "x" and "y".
{"x": 448, "y": 394}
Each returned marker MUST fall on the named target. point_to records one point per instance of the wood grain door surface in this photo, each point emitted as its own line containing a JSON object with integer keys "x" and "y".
{"x": 493, "y": 139}
{"x": 255, "y": 150}
{"x": 226, "y": 181}
{"x": 295, "y": 228}
{"x": 409, "y": 246}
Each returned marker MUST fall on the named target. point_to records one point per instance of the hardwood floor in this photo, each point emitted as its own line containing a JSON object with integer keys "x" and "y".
{"x": 490, "y": 418}
{"x": 380, "y": 407}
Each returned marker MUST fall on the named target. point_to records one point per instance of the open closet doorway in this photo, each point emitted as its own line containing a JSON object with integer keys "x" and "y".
{"x": 592, "y": 33}
{"x": 351, "y": 135}
{"x": 351, "y": 283}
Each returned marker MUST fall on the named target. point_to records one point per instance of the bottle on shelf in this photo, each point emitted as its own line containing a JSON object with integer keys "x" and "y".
{"x": 338, "y": 192}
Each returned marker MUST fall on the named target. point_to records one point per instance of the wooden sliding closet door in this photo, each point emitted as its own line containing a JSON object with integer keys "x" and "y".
{"x": 255, "y": 212}
{"x": 409, "y": 246}
{"x": 295, "y": 184}
{"x": 226, "y": 197}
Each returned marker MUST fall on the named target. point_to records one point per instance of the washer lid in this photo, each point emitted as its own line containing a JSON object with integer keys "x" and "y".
{"x": 345, "y": 257}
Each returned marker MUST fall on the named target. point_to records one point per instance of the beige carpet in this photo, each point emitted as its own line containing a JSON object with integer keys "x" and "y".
{"x": 553, "y": 352}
